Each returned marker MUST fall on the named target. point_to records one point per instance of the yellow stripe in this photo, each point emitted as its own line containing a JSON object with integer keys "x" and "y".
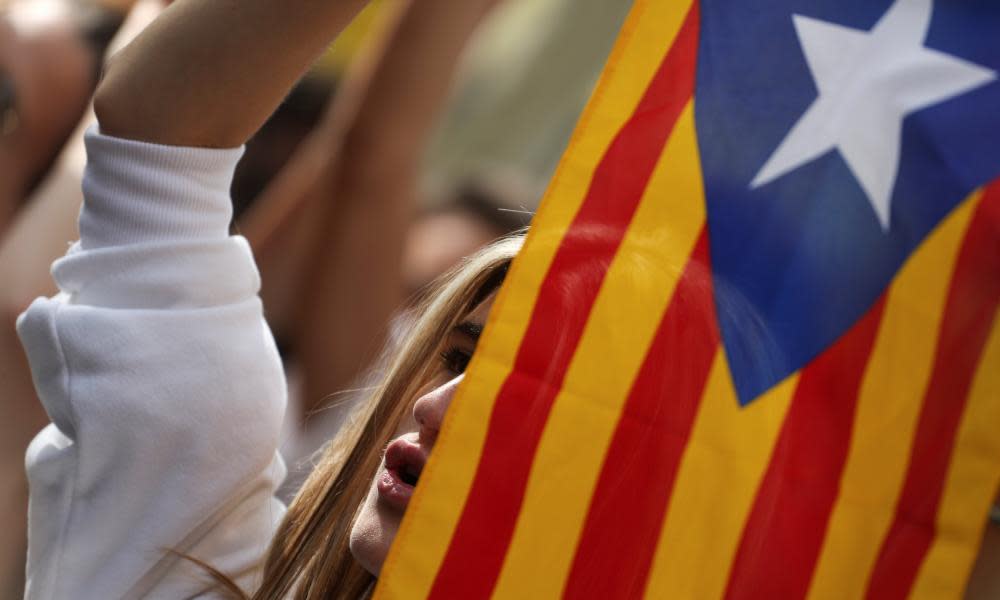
{"x": 972, "y": 481}
{"x": 727, "y": 455}
{"x": 623, "y": 321}
{"x": 886, "y": 419}
{"x": 434, "y": 511}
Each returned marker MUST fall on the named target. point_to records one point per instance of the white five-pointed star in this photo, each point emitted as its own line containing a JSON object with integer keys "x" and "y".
{"x": 868, "y": 82}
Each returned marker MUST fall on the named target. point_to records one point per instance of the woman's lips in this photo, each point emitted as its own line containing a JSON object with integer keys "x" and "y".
{"x": 404, "y": 461}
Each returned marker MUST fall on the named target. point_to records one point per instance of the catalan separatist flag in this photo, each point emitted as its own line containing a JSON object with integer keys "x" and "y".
{"x": 750, "y": 349}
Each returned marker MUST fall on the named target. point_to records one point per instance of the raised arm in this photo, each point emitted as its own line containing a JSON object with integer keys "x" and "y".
{"x": 154, "y": 364}
{"x": 49, "y": 57}
{"x": 209, "y": 72}
{"x": 329, "y": 231}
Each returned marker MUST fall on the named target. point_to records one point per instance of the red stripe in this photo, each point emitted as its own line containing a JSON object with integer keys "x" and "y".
{"x": 475, "y": 554}
{"x": 626, "y": 512}
{"x": 965, "y": 326}
{"x": 784, "y": 532}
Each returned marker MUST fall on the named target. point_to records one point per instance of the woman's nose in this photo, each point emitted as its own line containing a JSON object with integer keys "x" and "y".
{"x": 430, "y": 408}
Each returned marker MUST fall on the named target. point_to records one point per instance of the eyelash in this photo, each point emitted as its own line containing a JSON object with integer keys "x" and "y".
{"x": 456, "y": 360}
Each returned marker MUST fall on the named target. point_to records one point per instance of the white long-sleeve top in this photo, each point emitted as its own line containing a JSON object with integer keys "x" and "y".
{"x": 162, "y": 382}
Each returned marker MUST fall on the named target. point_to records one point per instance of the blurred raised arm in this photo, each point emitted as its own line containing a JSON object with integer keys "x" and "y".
{"x": 329, "y": 231}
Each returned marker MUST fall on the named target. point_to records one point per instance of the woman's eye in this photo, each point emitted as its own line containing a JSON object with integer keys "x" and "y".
{"x": 456, "y": 360}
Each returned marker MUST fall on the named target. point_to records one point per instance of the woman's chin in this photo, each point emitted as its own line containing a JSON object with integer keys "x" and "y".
{"x": 373, "y": 531}
{"x": 365, "y": 551}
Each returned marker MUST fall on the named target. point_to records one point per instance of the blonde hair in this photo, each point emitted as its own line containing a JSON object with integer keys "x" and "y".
{"x": 309, "y": 558}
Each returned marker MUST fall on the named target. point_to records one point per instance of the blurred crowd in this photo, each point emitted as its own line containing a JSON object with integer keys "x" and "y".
{"x": 384, "y": 167}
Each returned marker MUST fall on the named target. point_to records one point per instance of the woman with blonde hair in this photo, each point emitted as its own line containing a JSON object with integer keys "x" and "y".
{"x": 156, "y": 475}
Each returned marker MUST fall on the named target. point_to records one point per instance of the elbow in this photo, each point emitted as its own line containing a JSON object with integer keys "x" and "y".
{"x": 103, "y": 108}
{"x": 107, "y": 101}
{"x": 113, "y": 101}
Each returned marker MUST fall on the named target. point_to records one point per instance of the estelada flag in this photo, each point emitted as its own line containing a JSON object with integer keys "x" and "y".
{"x": 750, "y": 347}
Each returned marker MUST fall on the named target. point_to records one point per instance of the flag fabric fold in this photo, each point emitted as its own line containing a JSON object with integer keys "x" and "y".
{"x": 750, "y": 348}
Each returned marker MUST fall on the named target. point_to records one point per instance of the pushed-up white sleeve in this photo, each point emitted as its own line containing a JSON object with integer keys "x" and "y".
{"x": 162, "y": 382}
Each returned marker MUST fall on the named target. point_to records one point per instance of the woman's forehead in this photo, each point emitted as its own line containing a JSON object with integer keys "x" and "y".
{"x": 482, "y": 310}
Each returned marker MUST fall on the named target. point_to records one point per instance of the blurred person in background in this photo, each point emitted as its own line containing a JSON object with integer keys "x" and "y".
{"x": 134, "y": 488}
{"x": 339, "y": 237}
{"x": 472, "y": 215}
{"x": 43, "y": 230}
{"x": 431, "y": 242}
{"x": 50, "y": 57}
{"x": 438, "y": 238}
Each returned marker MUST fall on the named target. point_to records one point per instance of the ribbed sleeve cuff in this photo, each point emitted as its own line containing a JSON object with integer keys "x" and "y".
{"x": 136, "y": 192}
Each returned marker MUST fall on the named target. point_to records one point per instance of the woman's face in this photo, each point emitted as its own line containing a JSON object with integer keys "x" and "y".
{"x": 389, "y": 494}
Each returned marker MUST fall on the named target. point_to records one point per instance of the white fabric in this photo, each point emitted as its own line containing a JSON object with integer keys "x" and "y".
{"x": 162, "y": 382}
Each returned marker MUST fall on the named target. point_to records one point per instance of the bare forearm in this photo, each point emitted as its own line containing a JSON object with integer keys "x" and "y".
{"x": 209, "y": 72}
{"x": 374, "y": 182}
{"x": 371, "y": 137}
{"x": 410, "y": 85}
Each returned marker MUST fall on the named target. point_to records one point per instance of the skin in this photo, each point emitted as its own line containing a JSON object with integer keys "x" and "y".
{"x": 161, "y": 88}
{"x": 984, "y": 583}
{"x": 378, "y": 520}
{"x": 336, "y": 218}
{"x": 51, "y": 71}
{"x": 436, "y": 242}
